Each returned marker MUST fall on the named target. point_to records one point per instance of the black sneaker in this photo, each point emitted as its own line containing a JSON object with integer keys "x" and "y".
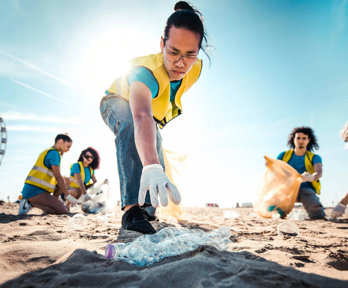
{"x": 133, "y": 219}
{"x": 149, "y": 213}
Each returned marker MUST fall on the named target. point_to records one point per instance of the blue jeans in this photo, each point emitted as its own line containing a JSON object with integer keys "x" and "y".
{"x": 311, "y": 203}
{"x": 117, "y": 115}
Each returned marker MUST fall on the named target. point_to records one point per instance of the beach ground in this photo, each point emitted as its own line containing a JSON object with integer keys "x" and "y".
{"x": 52, "y": 251}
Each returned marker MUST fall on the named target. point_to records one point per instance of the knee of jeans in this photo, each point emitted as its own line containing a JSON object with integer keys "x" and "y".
{"x": 316, "y": 208}
{"x": 126, "y": 127}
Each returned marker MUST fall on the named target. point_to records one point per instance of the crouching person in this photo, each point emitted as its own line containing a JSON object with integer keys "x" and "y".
{"x": 44, "y": 183}
{"x": 82, "y": 174}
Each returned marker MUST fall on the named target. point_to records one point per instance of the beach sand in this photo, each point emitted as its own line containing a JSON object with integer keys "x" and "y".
{"x": 47, "y": 251}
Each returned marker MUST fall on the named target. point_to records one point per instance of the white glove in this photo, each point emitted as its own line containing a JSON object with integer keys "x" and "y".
{"x": 72, "y": 200}
{"x": 156, "y": 181}
{"x": 84, "y": 198}
{"x": 307, "y": 177}
{"x": 338, "y": 210}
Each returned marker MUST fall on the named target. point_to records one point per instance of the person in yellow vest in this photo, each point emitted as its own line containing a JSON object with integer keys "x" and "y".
{"x": 338, "y": 211}
{"x": 82, "y": 174}
{"x": 44, "y": 183}
{"x": 145, "y": 98}
{"x": 300, "y": 156}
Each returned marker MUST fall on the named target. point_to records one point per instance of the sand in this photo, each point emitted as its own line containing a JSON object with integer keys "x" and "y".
{"x": 46, "y": 251}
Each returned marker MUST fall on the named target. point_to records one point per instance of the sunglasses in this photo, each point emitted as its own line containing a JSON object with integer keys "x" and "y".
{"x": 89, "y": 157}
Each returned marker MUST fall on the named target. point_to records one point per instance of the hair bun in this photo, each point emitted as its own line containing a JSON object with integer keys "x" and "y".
{"x": 183, "y": 5}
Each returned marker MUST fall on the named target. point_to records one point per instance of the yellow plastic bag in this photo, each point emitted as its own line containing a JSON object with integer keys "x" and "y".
{"x": 172, "y": 210}
{"x": 279, "y": 189}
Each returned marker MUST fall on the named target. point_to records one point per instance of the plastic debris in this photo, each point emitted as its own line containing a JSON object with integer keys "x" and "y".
{"x": 288, "y": 228}
{"x": 170, "y": 241}
{"x": 298, "y": 214}
{"x": 93, "y": 207}
{"x": 99, "y": 199}
{"x": 78, "y": 221}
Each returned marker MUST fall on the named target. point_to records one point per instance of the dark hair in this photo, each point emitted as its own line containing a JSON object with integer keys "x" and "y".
{"x": 307, "y": 131}
{"x": 96, "y": 160}
{"x": 65, "y": 137}
{"x": 188, "y": 17}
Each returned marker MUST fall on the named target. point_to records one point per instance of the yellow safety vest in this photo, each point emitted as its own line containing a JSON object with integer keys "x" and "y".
{"x": 73, "y": 179}
{"x": 163, "y": 110}
{"x": 308, "y": 164}
{"x": 40, "y": 175}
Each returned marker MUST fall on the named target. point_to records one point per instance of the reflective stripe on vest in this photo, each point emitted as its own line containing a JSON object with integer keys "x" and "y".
{"x": 43, "y": 170}
{"x": 41, "y": 182}
{"x": 40, "y": 175}
{"x": 308, "y": 165}
{"x": 163, "y": 110}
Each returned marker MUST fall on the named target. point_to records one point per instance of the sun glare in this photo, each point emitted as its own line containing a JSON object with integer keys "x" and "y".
{"x": 106, "y": 56}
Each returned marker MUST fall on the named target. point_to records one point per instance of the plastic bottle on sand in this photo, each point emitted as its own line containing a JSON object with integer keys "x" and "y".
{"x": 170, "y": 241}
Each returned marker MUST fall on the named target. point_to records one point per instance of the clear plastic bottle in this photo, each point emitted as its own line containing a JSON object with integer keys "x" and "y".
{"x": 170, "y": 241}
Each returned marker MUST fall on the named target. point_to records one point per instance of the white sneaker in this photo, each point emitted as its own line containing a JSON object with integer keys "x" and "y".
{"x": 24, "y": 207}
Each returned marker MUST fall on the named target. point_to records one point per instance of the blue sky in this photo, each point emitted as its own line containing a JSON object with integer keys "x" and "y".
{"x": 275, "y": 65}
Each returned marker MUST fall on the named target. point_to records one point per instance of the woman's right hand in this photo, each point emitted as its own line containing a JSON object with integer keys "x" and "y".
{"x": 72, "y": 200}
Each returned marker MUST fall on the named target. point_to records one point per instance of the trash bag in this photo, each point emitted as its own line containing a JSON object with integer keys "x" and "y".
{"x": 99, "y": 198}
{"x": 278, "y": 190}
{"x": 172, "y": 210}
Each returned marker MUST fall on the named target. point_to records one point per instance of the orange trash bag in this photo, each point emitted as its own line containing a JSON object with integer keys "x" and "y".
{"x": 172, "y": 210}
{"x": 278, "y": 190}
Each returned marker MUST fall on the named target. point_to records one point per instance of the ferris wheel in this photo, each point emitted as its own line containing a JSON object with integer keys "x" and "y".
{"x": 3, "y": 139}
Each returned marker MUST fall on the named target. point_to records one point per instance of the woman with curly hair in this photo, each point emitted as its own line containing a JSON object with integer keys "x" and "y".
{"x": 82, "y": 173}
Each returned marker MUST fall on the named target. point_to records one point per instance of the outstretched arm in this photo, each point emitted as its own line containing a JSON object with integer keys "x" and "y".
{"x": 144, "y": 125}
{"x": 153, "y": 178}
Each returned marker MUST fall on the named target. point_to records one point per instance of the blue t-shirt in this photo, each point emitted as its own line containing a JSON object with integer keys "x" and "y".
{"x": 75, "y": 168}
{"x": 298, "y": 163}
{"x": 52, "y": 158}
{"x": 145, "y": 76}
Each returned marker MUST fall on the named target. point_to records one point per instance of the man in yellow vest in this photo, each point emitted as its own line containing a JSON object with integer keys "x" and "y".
{"x": 149, "y": 94}
{"x": 40, "y": 189}
{"x": 301, "y": 142}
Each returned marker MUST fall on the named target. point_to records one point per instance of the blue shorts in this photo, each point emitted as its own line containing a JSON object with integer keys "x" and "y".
{"x": 30, "y": 191}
